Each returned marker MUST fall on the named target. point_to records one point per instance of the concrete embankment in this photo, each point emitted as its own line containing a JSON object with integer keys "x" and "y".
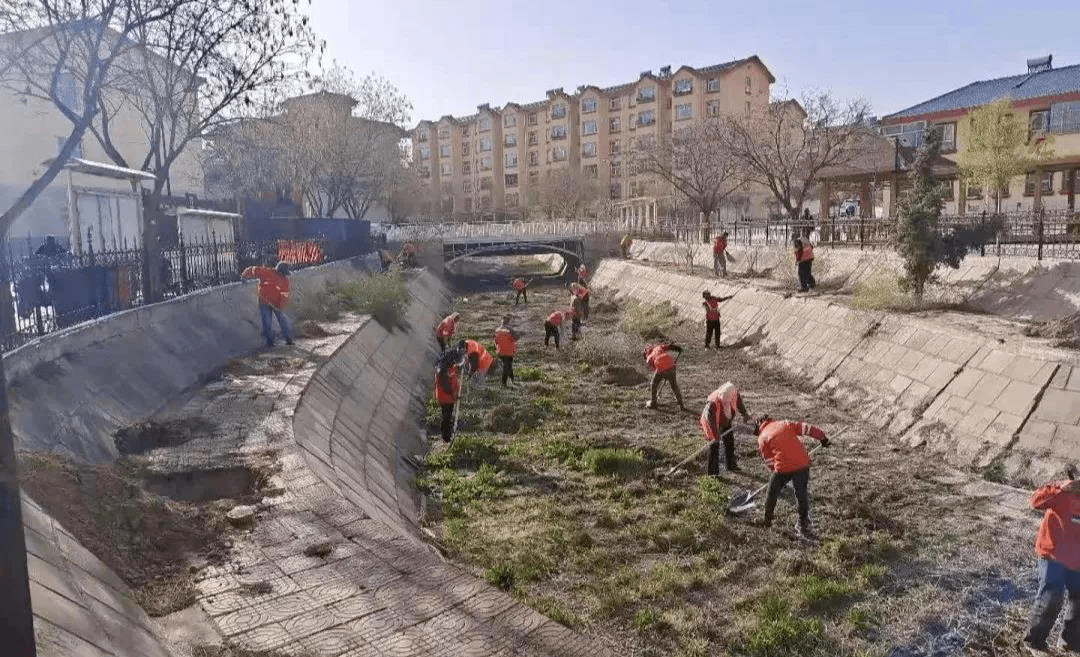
{"x": 976, "y": 398}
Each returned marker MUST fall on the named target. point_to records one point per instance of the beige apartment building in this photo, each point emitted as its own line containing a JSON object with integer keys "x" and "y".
{"x": 498, "y": 159}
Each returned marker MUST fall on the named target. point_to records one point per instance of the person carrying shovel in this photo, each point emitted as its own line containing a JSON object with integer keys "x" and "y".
{"x": 448, "y": 389}
{"x": 715, "y": 421}
{"x": 712, "y": 316}
{"x": 521, "y": 288}
{"x": 785, "y": 455}
{"x": 662, "y": 364}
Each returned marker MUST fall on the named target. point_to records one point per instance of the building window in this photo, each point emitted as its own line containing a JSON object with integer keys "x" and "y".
{"x": 464, "y": 148}
{"x": 615, "y": 190}
{"x": 534, "y": 158}
{"x": 425, "y": 152}
{"x": 485, "y": 163}
{"x": 947, "y": 193}
{"x": 466, "y": 167}
{"x": 633, "y": 120}
{"x": 591, "y": 170}
{"x": 511, "y": 180}
{"x": 446, "y": 168}
{"x": 484, "y": 124}
{"x": 485, "y": 144}
{"x": 1047, "y": 186}
{"x": 466, "y": 187}
{"x": 485, "y": 183}
{"x": 532, "y": 118}
{"x": 558, "y": 154}
{"x": 510, "y": 139}
{"x": 712, "y": 108}
{"x": 510, "y": 120}
{"x": 647, "y": 117}
{"x": 713, "y": 84}
{"x": 422, "y": 137}
{"x": 748, "y": 84}
{"x": 974, "y": 191}
{"x": 614, "y": 104}
{"x": 558, "y": 132}
{"x": 512, "y": 199}
{"x": 444, "y": 133}
{"x": 465, "y": 131}
{"x": 534, "y": 177}
{"x": 533, "y": 141}
{"x": 468, "y": 204}
{"x": 588, "y": 105}
{"x": 616, "y": 169}
{"x": 908, "y": 134}
{"x": 683, "y": 111}
{"x": 444, "y": 150}
{"x": 948, "y": 136}
{"x": 683, "y": 87}
{"x": 613, "y": 147}
{"x": 614, "y": 125}
{"x": 1065, "y": 117}
{"x": 1038, "y": 122}
{"x": 646, "y": 94}
{"x": 425, "y": 172}
{"x": 588, "y": 128}
{"x": 558, "y": 111}
{"x": 588, "y": 149}
{"x": 747, "y": 108}
{"x": 510, "y": 160}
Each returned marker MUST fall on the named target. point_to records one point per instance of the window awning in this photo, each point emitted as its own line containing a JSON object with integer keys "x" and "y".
{"x": 199, "y": 212}
{"x": 103, "y": 170}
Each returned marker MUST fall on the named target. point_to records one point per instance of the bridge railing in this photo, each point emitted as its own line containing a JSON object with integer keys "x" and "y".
{"x": 426, "y": 232}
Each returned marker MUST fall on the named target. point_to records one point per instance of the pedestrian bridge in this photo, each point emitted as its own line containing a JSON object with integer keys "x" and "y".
{"x": 570, "y": 247}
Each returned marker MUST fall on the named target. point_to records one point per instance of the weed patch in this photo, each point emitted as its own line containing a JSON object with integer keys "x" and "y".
{"x": 614, "y": 462}
{"x": 383, "y": 296}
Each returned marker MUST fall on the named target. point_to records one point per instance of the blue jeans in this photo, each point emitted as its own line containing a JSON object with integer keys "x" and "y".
{"x": 267, "y": 313}
{"x": 1054, "y": 581}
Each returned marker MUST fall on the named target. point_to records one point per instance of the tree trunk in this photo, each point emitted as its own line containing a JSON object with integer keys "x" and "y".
{"x": 152, "y": 261}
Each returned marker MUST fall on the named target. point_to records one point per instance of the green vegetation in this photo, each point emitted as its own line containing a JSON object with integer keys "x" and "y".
{"x": 881, "y": 291}
{"x": 383, "y": 296}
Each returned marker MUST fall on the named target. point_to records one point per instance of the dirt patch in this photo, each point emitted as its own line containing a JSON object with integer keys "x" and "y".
{"x": 231, "y": 651}
{"x": 506, "y": 418}
{"x": 145, "y": 436}
{"x": 312, "y": 329}
{"x": 1065, "y": 331}
{"x": 149, "y": 541}
{"x": 604, "y": 308}
{"x": 241, "y": 483}
{"x": 623, "y": 376}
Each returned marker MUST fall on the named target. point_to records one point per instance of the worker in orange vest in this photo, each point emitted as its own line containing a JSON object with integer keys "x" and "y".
{"x": 712, "y": 316}
{"x": 273, "y": 295}
{"x": 479, "y": 359}
{"x": 445, "y": 330}
{"x": 784, "y": 454}
{"x": 719, "y": 257}
{"x": 448, "y": 388}
{"x": 521, "y": 286}
{"x": 662, "y": 364}
{"x": 804, "y": 260}
{"x": 408, "y": 254}
{"x": 581, "y": 292}
{"x": 505, "y": 347}
{"x": 582, "y": 273}
{"x": 1058, "y": 547}
{"x": 715, "y": 421}
{"x": 553, "y": 326}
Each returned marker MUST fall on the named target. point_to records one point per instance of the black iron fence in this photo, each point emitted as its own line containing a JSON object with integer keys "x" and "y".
{"x": 50, "y": 289}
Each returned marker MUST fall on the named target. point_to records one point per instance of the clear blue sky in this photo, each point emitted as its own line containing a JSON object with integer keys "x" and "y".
{"x": 448, "y": 57}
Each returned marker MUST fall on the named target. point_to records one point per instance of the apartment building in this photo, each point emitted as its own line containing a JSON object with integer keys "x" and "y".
{"x": 498, "y": 159}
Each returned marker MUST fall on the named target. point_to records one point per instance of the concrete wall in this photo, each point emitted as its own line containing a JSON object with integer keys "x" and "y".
{"x": 957, "y": 390}
{"x": 359, "y": 416}
{"x": 71, "y": 390}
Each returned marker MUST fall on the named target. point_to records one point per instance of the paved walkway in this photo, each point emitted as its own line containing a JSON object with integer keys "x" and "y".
{"x": 372, "y": 592}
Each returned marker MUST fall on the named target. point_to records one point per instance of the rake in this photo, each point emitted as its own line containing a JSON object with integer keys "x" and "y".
{"x": 697, "y": 452}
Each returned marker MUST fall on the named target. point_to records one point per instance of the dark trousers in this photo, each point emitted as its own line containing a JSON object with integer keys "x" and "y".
{"x": 507, "y": 368}
{"x": 442, "y": 342}
{"x": 575, "y": 328}
{"x": 585, "y": 309}
{"x": 521, "y": 294}
{"x": 551, "y": 331}
{"x": 712, "y": 327}
{"x": 447, "y": 421}
{"x": 1054, "y": 581}
{"x": 800, "y": 481}
{"x": 669, "y": 376}
{"x": 729, "y": 451}
{"x": 806, "y": 278}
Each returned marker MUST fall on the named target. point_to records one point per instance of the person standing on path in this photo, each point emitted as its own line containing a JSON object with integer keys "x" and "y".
{"x": 716, "y": 419}
{"x": 521, "y": 286}
{"x": 273, "y": 295}
{"x": 448, "y": 388}
{"x": 505, "y": 347}
{"x": 581, "y": 293}
{"x": 784, "y": 454}
{"x": 575, "y": 316}
{"x": 1058, "y": 547}
{"x": 804, "y": 260}
{"x": 662, "y": 364}
{"x": 624, "y": 244}
{"x": 445, "y": 330}
{"x": 582, "y": 274}
{"x": 712, "y": 316}
{"x": 719, "y": 257}
{"x": 479, "y": 359}
{"x": 553, "y": 326}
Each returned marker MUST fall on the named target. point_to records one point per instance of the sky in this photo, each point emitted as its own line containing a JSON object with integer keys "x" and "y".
{"x": 449, "y": 56}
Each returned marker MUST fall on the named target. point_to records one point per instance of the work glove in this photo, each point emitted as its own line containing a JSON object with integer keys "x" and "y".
{"x": 825, "y": 442}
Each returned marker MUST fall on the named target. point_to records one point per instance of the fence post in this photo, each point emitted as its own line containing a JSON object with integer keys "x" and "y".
{"x": 1039, "y": 231}
{"x": 982, "y": 226}
{"x": 183, "y": 266}
{"x": 214, "y": 257}
{"x": 862, "y": 233}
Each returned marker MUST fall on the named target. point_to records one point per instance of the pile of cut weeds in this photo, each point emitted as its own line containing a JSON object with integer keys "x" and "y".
{"x": 149, "y": 541}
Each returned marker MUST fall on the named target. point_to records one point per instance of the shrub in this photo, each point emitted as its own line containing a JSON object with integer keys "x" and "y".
{"x": 881, "y": 291}
{"x": 383, "y": 296}
{"x": 648, "y": 321}
{"x": 613, "y": 461}
{"x": 619, "y": 348}
{"x": 315, "y": 305}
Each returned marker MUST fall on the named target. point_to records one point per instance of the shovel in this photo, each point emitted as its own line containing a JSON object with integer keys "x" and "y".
{"x": 741, "y": 501}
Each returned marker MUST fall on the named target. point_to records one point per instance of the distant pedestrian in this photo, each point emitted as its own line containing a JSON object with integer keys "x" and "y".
{"x": 579, "y": 291}
{"x": 448, "y": 388}
{"x": 408, "y": 255}
{"x": 784, "y": 454}
{"x": 505, "y": 348}
{"x": 553, "y": 326}
{"x": 273, "y": 296}
{"x": 445, "y": 330}
{"x": 715, "y": 421}
{"x": 582, "y": 273}
{"x": 521, "y": 287}
{"x": 719, "y": 250}
{"x": 804, "y": 260}
{"x": 1058, "y": 547}
{"x": 624, "y": 244}
{"x": 712, "y": 316}
{"x": 50, "y": 248}
{"x": 662, "y": 364}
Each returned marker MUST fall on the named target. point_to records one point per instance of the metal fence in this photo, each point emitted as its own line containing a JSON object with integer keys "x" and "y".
{"x": 47, "y": 291}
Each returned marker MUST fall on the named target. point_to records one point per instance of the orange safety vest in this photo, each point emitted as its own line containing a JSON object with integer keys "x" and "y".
{"x": 518, "y": 284}
{"x": 273, "y": 287}
{"x": 555, "y": 318}
{"x": 779, "y": 444}
{"x": 659, "y": 358}
{"x": 726, "y": 401}
{"x": 719, "y": 246}
{"x": 712, "y": 311}
{"x": 505, "y": 342}
{"x": 807, "y": 253}
{"x": 441, "y": 395}
{"x": 581, "y": 292}
{"x": 446, "y": 328}
{"x": 1059, "y": 533}
{"x": 483, "y": 358}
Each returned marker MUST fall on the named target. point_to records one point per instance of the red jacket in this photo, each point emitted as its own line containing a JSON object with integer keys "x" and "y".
{"x": 1059, "y": 533}
{"x": 483, "y": 358}
{"x": 518, "y": 284}
{"x": 445, "y": 329}
{"x": 555, "y": 318}
{"x": 659, "y": 358}
{"x": 505, "y": 341}
{"x": 779, "y": 444}
{"x": 582, "y": 271}
{"x": 807, "y": 253}
{"x": 720, "y": 409}
{"x": 581, "y": 292}
{"x": 719, "y": 246}
{"x": 450, "y": 396}
{"x": 273, "y": 287}
{"x": 712, "y": 310}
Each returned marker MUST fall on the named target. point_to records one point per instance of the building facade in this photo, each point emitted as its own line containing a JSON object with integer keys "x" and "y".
{"x": 499, "y": 159}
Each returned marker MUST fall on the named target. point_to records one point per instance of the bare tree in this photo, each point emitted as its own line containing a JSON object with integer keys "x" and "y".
{"x": 785, "y": 146}
{"x": 698, "y": 162}
{"x": 565, "y": 193}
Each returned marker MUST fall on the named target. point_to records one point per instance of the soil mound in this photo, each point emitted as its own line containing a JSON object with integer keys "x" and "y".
{"x": 312, "y": 329}
{"x": 623, "y": 375}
